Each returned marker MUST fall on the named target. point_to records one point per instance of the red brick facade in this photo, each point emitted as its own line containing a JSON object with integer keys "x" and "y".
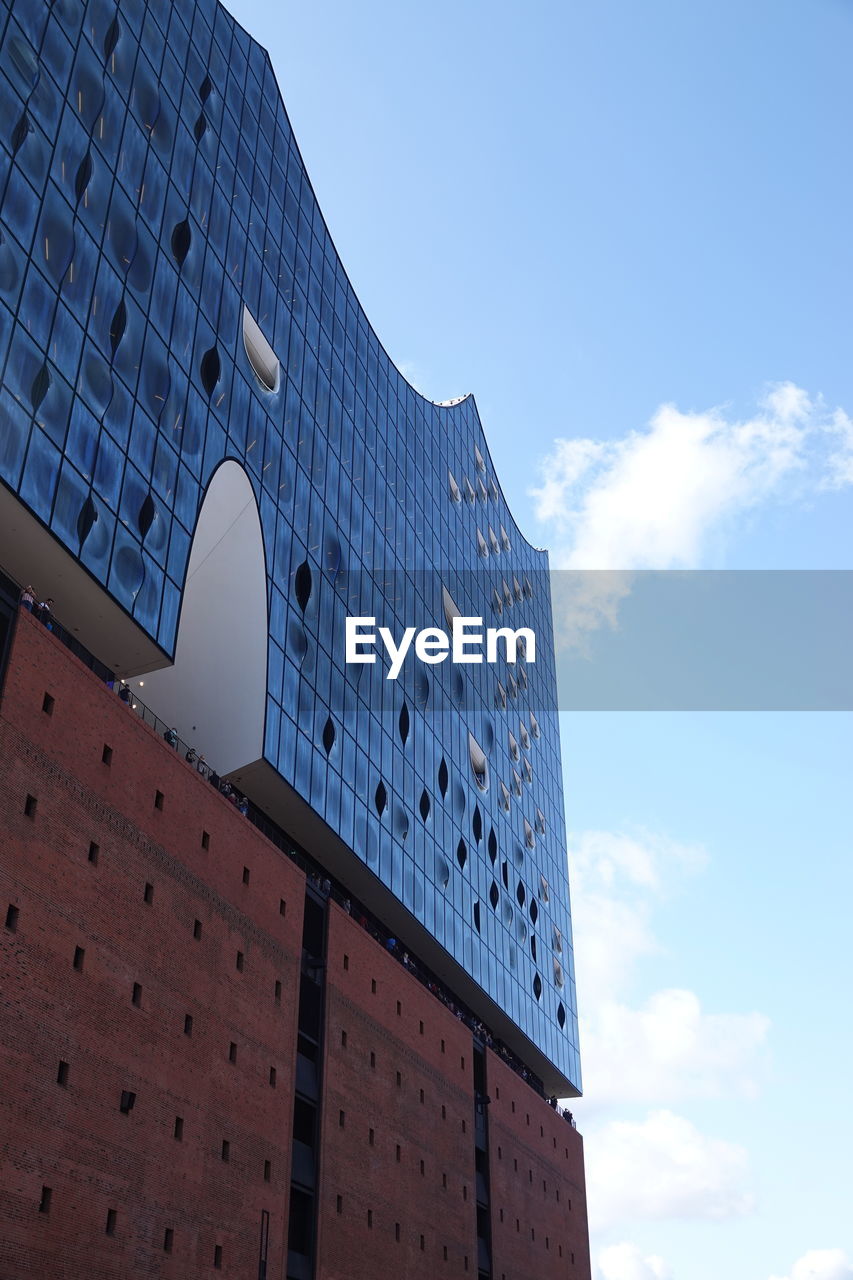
{"x": 152, "y": 945}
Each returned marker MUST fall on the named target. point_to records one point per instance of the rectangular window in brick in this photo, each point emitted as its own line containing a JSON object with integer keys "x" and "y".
{"x": 423, "y": 1244}
{"x": 196, "y": 929}
{"x": 226, "y": 1149}
{"x": 47, "y": 704}
{"x": 158, "y": 799}
{"x": 30, "y": 807}
{"x": 399, "y": 1080}
{"x": 217, "y": 1257}
{"x": 397, "y": 1231}
{"x": 443, "y": 1111}
{"x": 107, "y": 754}
{"x": 370, "y": 1218}
{"x": 63, "y": 1071}
{"x": 339, "y": 1204}
{"x": 240, "y": 961}
{"x": 343, "y": 1039}
{"x": 148, "y": 893}
{"x": 168, "y": 1239}
{"x": 422, "y": 1095}
{"x": 232, "y": 1052}
{"x": 94, "y": 852}
{"x": 399, "y": 1009}
{"x": 371, "y": 1137}
{"x": 282, "y": 907}
{"x": 112, "y": 1216}
{"x": 136, "y": 996}
{"x": 421, "y": 1028}
{"x": 79, "y": 956}
{"x": 272, "y": 1077}
{"x": 179, "y": 1128}
{"x": 372, "y": 1058}
{"x": 444, "y": 1180}
{"x": 445, "y": 1253}
{"x": 267, "y": 1171}
{"x": 342, "y": 1118}
{"x": 245, "y": 875}
{"x": 205, "y": 840}
{"x": 127, "y": 1101}
{"x": 399, "y": 1153}
{"x": 373, "y": 986}
{"x": 46, "y": 1197}
{"x": 442, "y": 1046}
{"x": 188, "y": 1024}
{"x": 278, "y": 991}
{"x": 12, "y": 917}
{"x": 346, "y": 962}
{"x": 422, "y": 1168}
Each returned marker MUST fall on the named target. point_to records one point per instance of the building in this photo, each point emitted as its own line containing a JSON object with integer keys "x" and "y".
{"x": 296, "y": 1040}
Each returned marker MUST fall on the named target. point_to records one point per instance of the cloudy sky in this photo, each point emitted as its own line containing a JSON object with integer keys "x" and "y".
{"x": 625, "y": 227}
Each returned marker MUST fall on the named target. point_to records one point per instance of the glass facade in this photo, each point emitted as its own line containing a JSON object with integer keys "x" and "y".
{"x": 170, "y": 298}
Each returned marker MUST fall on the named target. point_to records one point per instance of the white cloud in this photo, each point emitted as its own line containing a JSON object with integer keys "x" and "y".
{"x": 821, "y": 1264}
{"x": 663, "y": 1167}
{"x": 626, "y": 1262}
{"x": 662, "y": 497}
{"x": 669, "y": 1050}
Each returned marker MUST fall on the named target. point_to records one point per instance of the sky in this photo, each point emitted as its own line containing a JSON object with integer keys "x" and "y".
{"x": 625, "y": 228}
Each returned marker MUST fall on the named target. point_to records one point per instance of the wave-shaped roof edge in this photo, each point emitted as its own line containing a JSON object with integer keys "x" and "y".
{"x": 448, "y": 405}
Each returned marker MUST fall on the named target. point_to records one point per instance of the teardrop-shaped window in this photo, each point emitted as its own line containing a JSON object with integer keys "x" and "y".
{"x": 443, "y": 777}
{"x": 403, "y": 724}
{"x": 505, "y": 873}
{"x": 328, "y": 736}
{"x": 424, "y": 804}
{"x": 561, "y": 1015}
{"x": 534, "y": 910}
{"x": 40, "y": 387}
{"x": 118, "y": 324}
{"x": 112, "y": 37}
{"x": 461, "y": 854}
{"x": 86, "y": 519}
{"x": 381, "y": 798}
{"x": 492, "y": 845}
{"x": 537, "y": 987}
{"x": 494, "y": 896}
{"x": 147, "y": 512}
{"x": 477, "y": 916}
{"x": 20, "y": 133}
{"x": 533, "y": 946}
{"x": 302, "y": 585}
{"x": 519, "y": 893}
{"x": 210, "y": 369}
{"x": 83, "y": 176}
{"x": 205, "y": 88}
{"x": 477, "y": 824}
{"x": 181, "y": 240}
{"x": 200, "y": 128}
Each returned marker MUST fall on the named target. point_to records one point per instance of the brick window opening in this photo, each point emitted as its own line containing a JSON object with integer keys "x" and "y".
{"x": 346, "y": 962}
{"x": 136, "y": 996}
{"x": 148, "y": 893}
{"x": 168, "y": 1239}
{"x": 500, "y": 1153}
{"x": 282, "y": 909}
{"x": 272, "y": 1077}
{"x": 267, "y": 1171}
{"x": 515, "y": 1164}
{"x": 397, "y": 1232}
{"x": 372, "y": 1058}
{"x": 373, "y": 986}
{"x": 530, "y": 1176}
{"x": 107, "y": 754}
{"x": 371, "y": 1137}
{"x": 188, "y": 1024}
{"x": 342, "y": 1118}
{"x": 517, "y": 1226}
{"x": 399, "y": 1153}
{"x": 205, "y": 840}
{"x": 112, "y": 1215}
{"x": 196, "y": 929}
{"x": 423, "y": 1169}
{"x": 445, "y": 1252}
{"x": 47, "y": 704}
{"x": 245, "y": 875}
{"x": 464, "y": 1127}
{"x": 532, "y": 1233}
{"x": 62, "y": 1073}
{"x": 442, "y": 1046}
{"x": 30, "y": 807}
{"x": 528, "y": 1118}
{"x": 423, "y": 1244}
{"x": 46, "y": 1197}
{"x": 502, "y": 1215}
{"x": 179, "y": 1129}
{"x": 158, "y": 799}
{"x": 466, "y": 1261}
{"x": 232, "y": 1052}
{"x": 547, "y": 1242}
{"x": 240, "y": 961}
{"x": 339, "y": 1204}
{"x": 343, "y": 1039}
{"x": 370, "y": 1218}
{"x": 79, "y": 955}
{"x": 399, "y": 1080}
{"x": 12, "y": 917}
{"x": 560, "y": 1250}
{"x": 513, "y": 1106}
{"x": 444, "y": 1181}
{"x": 443, "y": 1111}
{"x": 541, "y": 1131}
{"x": 399, "y": 1009}
{"x": 497, "y": 1092}
{"x": 125, "y": 1106}
{"x": 94, "y": 851}
{"x": 421, "y": 1025}
{"x": 226, "y": 1150}
{"x": 464, "y": 1193}
{"x": 217, "y": 1257}
{"x": 422, "y": 1095}
{"x": 462, "y": 1062}
{"x": 558, "y": 1198}
{"x": 277, "y": 992}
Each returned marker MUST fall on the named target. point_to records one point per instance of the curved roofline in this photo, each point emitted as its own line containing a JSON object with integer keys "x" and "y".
{"x": 448, "y": 405}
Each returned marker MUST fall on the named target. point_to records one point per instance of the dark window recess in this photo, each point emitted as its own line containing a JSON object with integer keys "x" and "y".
{"x": 313, "y": 928}
{"x": 373, "y": 986}
{"x": 404, "y": 723}
{"x": 399, "y": 1009}
{"x": 217, "y": 1257}
{"x": 158, "y": 799}
{"x": 461, "y": 854}
{"x": 277, "y": 991}
{"x": 371, "y": 1137}
{"x": 282, "y": 907}
{"x": 94, "y": 851}
{"x": 79, "y": 956}
{"x": 343, "y": 1039}
{"x": 302, "y": 585}
{"x": 46, "y": 1197}
{"x": 136, "y": 995}
{"x": 112, "y": 1216}
{"x": 179, "y": 1129}
{"x": 381, "y": 798}
{"x": 342, "y": 1118}
{"x": 168, "y": 1239}
{"x": 188, "y": 1024}
{"x": 30, "y": 807}
{"x": 301, "y": 1223}
{"x": 421, "y": 1027}
{"x": 423, "y": 1169}
{"x": 107, "y": 754}
{"x": 397, "y": 1231}
{"x": 12, "y": 918}
{"x": 232, "y": 1052}
{"x": 328, "y": 736}
{"x": 423, "y": 1244}
{"x": 372, "y": 1058}
{"x": 304, "y": 1122}
{"x": 424, "y": 805}
{"x": 47, "y": 704}
{"x": 399, "y": 1080}
{"x": 62, "y": 1073}
{"x": 346, "y": 962}
{"x": 226, "y": 1150}
{"x": 399, "y": 1153}
{"x": 127, "y": 1100}
{"x": 196, "y": 929}
{"x": 148, "y": 893}
{"x": 422, "y": 1095}
{"x": 267, "y": 1171}
{"x": 272, "y": 1077}
{"x": 240, "y": 961}
{"x": 205, "y": 840}
{"x": 210, "y": 370}
{"x": 339, "y": 1204}
{"x": 443, "y": 778}
{"x": 370, "y": 1218}
{"x": 181, "y": 241}
{"x": 246, "y": 874}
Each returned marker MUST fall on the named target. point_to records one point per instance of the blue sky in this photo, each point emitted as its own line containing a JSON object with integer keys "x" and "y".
{"x": 584, "y": 212}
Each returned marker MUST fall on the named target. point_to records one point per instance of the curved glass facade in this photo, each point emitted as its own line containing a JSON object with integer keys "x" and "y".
{"x": 170, "y": 298}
